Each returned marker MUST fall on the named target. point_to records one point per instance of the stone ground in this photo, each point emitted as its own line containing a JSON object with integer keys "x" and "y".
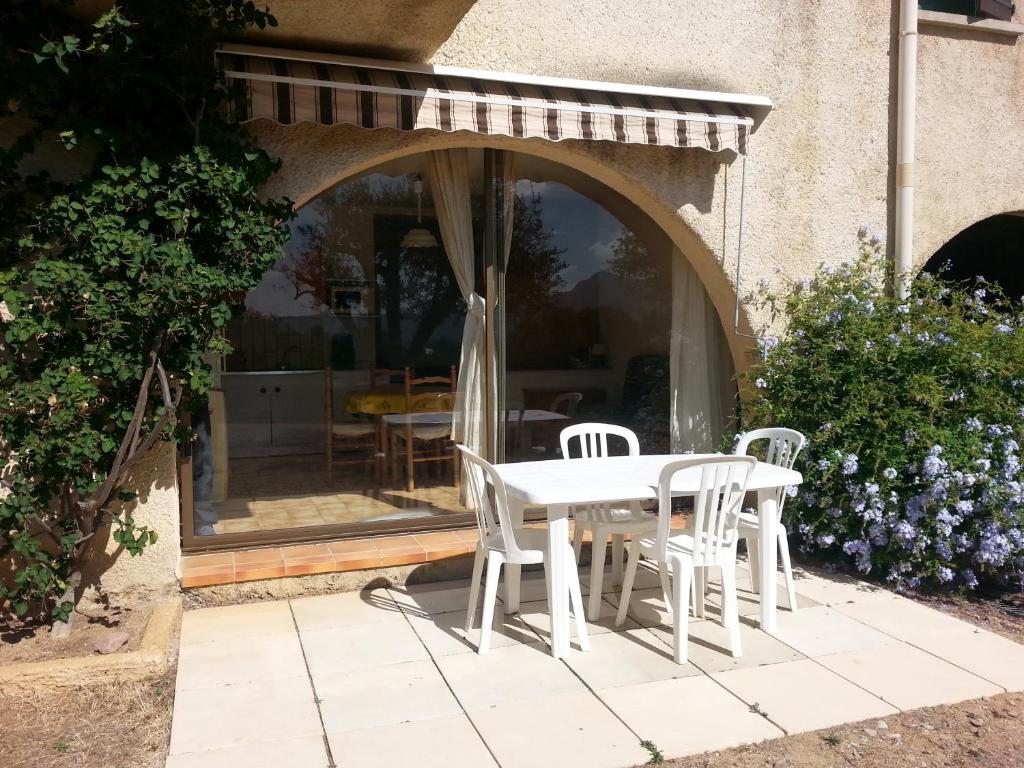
{"x": 388, "y": 677}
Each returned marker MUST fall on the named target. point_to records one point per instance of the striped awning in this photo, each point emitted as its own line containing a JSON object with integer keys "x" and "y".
{"x": 330, "y": 90}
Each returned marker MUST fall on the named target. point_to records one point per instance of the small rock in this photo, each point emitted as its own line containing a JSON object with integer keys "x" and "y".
{"x": 871, "y": 732}
{"x": 928, "y": 726}
{"x": 882, "y": 725}
{"x": 1011, "y": 713}
{"x": 977, "y": 722}
{"x": 111, "y": 642}
{"x": 895, "y": 736}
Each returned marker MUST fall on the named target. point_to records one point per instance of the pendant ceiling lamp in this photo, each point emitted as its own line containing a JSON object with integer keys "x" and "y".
{"x": 419, "y": 236}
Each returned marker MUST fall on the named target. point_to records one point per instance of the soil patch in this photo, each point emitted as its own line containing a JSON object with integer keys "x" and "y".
{"x": 986, "y": 733}
{"x": 32, "y": 642}
{"x": 95, "y": 727}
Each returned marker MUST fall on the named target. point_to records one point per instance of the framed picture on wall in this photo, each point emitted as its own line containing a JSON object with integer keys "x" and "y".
{"x": 351, "y": 298}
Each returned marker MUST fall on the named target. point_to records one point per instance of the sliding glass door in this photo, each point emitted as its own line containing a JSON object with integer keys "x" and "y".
{"x": 582, "y": 313}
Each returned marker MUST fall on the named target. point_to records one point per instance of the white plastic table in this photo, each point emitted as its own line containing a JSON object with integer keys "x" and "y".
{"x": 559, "y": 484}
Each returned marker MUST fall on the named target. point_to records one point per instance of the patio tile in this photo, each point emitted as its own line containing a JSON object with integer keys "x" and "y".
{"x": 237, "y": 661}
{"x": 836, "y": 589}
{"x": 749, "y": 601}
{"x": 443, "y": 742}
{"x": 344, "y": 609}
{"x": 803, "y": 696}
{"x": 345, "y": 649}
{"x": 688, "y": 716}
{"x": 444, "y": 634}
{"x": 904, "y": 619}
{"x": 908, "y": 677}
{"x": 709, "y": 648}
{"x": 626, "y": 658}
{"x": 236, "y": 621}
{"x": 820, "y": 631}
{"x": 507, "y": 675}
{"x": 430, "y": 599}
{"x": 646, "y": 607}
{"x": 571, "y": 731}
{"x": 983, "y": 653}
{"x": 536, "y": 614}
{"x": 378, "y": 696}
{"x": 303, "y": 752}
{"x": 234, "y": 715}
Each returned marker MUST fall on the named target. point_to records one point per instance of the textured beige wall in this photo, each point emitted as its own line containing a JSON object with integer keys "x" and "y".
{"x": 156, "y": 570}
{"x": 970, "y": 132}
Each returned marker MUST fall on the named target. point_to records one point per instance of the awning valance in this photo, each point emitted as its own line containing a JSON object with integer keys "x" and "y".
{"x": 293, "y": 88}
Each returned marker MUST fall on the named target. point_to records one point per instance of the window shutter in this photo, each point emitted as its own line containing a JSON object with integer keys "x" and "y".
{"x": 996, "y": 9}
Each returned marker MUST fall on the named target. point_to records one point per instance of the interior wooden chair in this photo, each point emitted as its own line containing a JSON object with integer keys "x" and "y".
{"x": 387, "y": 377}
{"x": 353, "y": 437}
{"x": 420, "y": 439}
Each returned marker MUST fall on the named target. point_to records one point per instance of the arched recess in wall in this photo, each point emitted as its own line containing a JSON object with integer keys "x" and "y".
{"x": 992, "y": 248}
{"x": 599, "y": 297}
{"x": 336, "y": 161}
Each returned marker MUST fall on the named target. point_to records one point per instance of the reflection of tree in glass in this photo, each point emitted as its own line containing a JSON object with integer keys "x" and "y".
{"x": 532, "y": 285}
{"x": 325, "y": 246}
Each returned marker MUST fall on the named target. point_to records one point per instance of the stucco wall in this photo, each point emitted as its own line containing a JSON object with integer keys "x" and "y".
{"x": 970, "y": 132}
{"x": 115, "y": 573}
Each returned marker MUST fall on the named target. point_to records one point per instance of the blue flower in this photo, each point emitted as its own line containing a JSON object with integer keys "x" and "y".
{"x": 889, "y": 473}
{"x": 968, "y": 578}
{"x": 760, "y": 383}
{"x": 850, "y": 465}
{"x": 973, "y": 424}
{"x": 945, "y": 574}
{"x": 1003, "y": 328}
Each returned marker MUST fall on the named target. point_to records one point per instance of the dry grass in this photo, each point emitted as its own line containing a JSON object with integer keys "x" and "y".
{"x": 98, "y": 727}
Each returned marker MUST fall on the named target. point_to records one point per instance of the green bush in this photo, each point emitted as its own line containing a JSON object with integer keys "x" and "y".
{"x": 913, "y": 414}
{"x": 114, "y": 284}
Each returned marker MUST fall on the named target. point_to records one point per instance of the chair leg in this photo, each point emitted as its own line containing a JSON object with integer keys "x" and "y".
{"x": 666, "y": 584}
{"x": 681, "y": 612}
{"x": 730, "y": 609}
{"x": 494, "y": 562}
{"x": 618, "y": 547}
{"x": 597, "y": 555}
{"x": 474, "y": 586}
{"x": 627, "y": 581}
{"x": 787, "y": 568}
{"x": 576, "y": 597}
{"x": 699, "y": 578}
{"x": 754, "y": 561}
{"x": 410, "y": 481}
{"x": 577, "y": 541}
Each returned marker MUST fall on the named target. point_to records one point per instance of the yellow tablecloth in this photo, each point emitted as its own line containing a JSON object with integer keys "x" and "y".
{"x": 384, "y": 400}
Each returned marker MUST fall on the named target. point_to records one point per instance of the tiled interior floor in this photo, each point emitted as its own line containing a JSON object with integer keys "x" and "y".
{"x": 389, "y": 677}
{"x": 277, "y": 492}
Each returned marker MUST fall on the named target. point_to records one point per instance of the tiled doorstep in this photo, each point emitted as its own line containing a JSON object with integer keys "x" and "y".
{"x": 329, "y": 557}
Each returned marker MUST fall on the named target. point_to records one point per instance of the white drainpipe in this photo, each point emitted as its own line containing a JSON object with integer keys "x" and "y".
{"x": 906, "y": 99}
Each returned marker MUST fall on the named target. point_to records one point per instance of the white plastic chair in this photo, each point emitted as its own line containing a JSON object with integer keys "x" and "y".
{"x": 590, "y": 441}
{"x": 784, "y": 445}
{"x": 710, "y": 542}
{"x": 501, "y": 544}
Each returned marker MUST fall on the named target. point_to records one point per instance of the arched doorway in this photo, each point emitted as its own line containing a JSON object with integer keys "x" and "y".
{"x": 992, "y": 248}
{"x": 366, "y": 290}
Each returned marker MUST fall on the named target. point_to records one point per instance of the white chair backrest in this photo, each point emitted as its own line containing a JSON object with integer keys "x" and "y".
{"x": 491, "y": 508}
{"x": 784, "y": 445}
{"x": 566, "y": 403}
{"x": 591, "y": 441}
{"x": 716, "y": 506}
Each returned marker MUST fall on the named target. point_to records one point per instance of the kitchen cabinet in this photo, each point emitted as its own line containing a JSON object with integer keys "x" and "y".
{"x": 274, "y": 413}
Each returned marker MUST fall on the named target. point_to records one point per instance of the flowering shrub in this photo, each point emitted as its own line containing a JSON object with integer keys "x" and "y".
{"x": 914, "y": 413}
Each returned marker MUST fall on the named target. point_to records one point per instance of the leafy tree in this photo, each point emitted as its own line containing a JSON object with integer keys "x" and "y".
{"x": 114, "y": 284}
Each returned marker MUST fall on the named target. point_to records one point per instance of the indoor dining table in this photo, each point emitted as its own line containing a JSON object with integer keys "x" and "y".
{"x": 561, "y": 484}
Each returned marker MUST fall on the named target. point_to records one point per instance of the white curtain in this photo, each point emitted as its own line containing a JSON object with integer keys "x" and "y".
{"x": 700, "y": 369}
{"x": 452, "y": 200}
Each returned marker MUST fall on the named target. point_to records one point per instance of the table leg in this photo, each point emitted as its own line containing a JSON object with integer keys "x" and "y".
{"x": 768, "y": 520}
{"x": 513, "y": 573}
{"x": 558, "y": 586}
